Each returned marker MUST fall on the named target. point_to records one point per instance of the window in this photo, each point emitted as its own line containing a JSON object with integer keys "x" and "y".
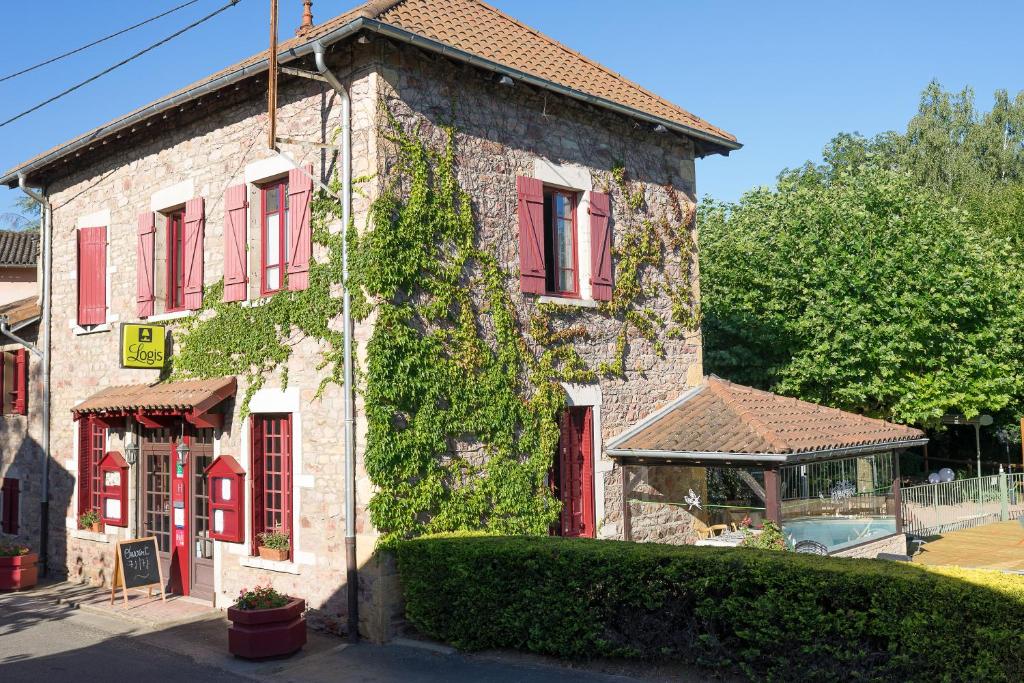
{"x": 175, "y": 261}
{"x": 274, "y": 232}
{"x": 92, "y": 276}
{"x": 9, "y": 495}
{"x": 92, "y": 444}
{"x": 14, "y": 382}
{"x": 562, "y": 276}
{"x": 271, "y": 475}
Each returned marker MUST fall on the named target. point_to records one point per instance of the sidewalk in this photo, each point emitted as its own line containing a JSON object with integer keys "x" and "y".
{"x": 121, "y": 641}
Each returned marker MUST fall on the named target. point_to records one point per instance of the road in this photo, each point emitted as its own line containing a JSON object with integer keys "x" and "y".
{"x": 41, "y": 641}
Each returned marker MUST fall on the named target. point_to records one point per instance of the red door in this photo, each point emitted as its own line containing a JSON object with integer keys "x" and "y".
{"x": 574, "y": 472}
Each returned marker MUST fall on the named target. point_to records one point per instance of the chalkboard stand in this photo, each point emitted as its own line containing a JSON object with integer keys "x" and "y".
{"x": 119, "y": 576}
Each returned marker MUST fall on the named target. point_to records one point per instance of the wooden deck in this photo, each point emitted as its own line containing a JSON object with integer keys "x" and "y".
{"x": 992, "y": 546}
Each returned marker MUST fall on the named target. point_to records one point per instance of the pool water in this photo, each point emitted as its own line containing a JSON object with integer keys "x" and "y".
{"x": 837, "y": 533}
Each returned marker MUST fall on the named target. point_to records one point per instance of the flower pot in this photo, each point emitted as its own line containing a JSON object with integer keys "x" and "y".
{"x": 96, "y": 527}
{"x": 263, "y": 633}
{"x": 18, "y": 573}
{"x": 271, "y": 554}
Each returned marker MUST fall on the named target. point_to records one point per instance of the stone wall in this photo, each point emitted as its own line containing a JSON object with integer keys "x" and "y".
{"x": 896, "y": 544}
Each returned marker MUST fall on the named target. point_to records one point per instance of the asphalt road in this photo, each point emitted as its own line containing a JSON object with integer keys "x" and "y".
{"x": 43, "y": 642}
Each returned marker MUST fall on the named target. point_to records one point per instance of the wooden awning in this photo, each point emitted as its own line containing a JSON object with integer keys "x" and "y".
{"x": 154, "y": 405}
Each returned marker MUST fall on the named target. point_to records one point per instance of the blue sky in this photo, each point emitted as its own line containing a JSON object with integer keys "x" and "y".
{"x": 782, "y": 76}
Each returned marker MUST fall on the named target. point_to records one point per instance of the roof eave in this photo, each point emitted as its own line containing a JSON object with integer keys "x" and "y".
{"x": 775, "y": 458}
{"x": 10, "y": 178}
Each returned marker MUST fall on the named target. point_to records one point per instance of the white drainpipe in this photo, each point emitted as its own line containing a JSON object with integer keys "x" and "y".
{"x": 46, "y": 228}
{"x": 352, "y": 570}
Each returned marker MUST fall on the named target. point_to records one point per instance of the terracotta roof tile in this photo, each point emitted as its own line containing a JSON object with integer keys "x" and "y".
{"x": 475, "y": 27}
{"x": 198, "y": 394}
{"x": 18, "y": 248}
{"x": 722, "y": 417}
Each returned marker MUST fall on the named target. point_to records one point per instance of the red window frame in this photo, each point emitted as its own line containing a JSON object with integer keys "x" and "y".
{"x": 14, "y": 397}
{"x": 175, "y": 261}
{"x": 572, "y": 474}
{"x": 92, "y": 446}
{"x": 554, "y": 265}
{"x": 271, "y": 479}
{"x": 280, "y": 188}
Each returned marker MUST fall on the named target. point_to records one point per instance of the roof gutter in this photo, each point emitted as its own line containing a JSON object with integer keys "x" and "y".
{"x": 11, "y": 177}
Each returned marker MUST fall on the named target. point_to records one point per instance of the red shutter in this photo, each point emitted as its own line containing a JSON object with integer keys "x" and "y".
{"x": 21, "y": 382}
{"x": 144, "y": 264}
{"x": 236, "y": 276}
{"x": 601, "y": 274}
{"x": 587, "y": 466}
{"x": 195, "y": 226}
{"x": 10, "y": 492}
{"x": 530, "y": 193}
{"x": 92, "y": 276}
{"x": 300, "y": 236}
{"x": 84, "y": 465}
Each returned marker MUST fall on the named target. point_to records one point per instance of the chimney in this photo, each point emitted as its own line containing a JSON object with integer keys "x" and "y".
{"x": 307, "y": 18}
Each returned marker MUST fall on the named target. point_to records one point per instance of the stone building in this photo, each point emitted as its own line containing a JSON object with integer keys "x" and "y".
{"x": 19, "y": 254}
{"x": 559, "y": 157}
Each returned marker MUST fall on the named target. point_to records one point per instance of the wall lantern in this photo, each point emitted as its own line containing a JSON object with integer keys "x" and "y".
{"x": 131, "y": 453}
{"x": 182, "y": 448}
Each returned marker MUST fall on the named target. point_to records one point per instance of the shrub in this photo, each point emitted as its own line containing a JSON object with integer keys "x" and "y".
{"x": 770, "y": 538}
{"x": 12, "y": 550}
{"x": 260, "y": 597}
{"x": 769, "y": 615}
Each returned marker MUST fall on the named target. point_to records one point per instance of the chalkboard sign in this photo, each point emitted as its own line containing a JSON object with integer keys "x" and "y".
{"x": 137, "y": 565}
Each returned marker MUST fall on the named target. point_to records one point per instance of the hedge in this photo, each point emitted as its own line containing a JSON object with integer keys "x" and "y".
{"x": 766, "y": 615}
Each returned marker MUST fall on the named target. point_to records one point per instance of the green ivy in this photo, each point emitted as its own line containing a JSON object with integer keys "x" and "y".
{"x": 461, "y": 394}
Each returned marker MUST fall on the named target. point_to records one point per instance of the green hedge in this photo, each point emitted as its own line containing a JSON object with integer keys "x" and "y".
{"x": 769, "y": 615}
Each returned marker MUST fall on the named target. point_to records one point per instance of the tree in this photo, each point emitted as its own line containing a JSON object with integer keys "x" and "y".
{"x": 858, "y": 286}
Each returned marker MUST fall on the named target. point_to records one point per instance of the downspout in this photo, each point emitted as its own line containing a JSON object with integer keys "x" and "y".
{"x": 46, "y": 228}
{"x": 352, "y": 571}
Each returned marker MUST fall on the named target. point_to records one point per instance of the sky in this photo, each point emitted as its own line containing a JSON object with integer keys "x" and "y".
{"x": 783, "y": 76}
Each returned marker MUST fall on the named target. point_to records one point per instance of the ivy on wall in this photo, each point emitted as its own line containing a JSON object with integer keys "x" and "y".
{"x": 461, "y": 394}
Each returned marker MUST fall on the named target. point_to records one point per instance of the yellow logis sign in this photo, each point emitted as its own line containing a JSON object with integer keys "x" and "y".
{"x": 143, "y": 346}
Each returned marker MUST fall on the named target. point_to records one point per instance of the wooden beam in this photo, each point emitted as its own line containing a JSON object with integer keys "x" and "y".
{"x": 627, "y": 518}
{"x": 205, "y": 420}
{"x": 772, "y": 497}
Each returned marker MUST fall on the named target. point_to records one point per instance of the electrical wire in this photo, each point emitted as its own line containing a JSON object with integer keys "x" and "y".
{"x": 68, "y": 91}
{"x": 96, "y": 42}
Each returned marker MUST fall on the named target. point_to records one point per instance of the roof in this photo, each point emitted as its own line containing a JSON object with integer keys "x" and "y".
{"x": 465, "y": 30}
{"x": 198, "y": 396}
{"x": 21, "y": 312}
{"x": 18, "y": 249}
{"x": 726, "y": 419}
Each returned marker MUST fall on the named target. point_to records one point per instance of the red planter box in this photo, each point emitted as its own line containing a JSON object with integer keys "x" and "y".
{"x": 262, "y": 633}
{"x": 18, "y": 573}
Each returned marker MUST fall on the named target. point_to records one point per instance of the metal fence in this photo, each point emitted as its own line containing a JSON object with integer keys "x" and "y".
{"x": 937, "y": 508}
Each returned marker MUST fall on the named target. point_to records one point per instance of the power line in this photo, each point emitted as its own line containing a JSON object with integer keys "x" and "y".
{"x": 211, "y": 15}
{"x": 96, "y": 42}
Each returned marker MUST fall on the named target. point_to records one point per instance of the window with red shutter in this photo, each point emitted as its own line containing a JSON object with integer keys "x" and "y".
{"x": 9, "y": 505}
{"x": 236, "y": 276}
{"x": 92, "y": 442}
{"x": 175, "y": 261}
{"x": 300, "y": 236}
{"x": 195, "y": 227}
{"x": 92, "y": 276}
{"x": 144, "y": 264}
{"x": 561, "y": 275}
{"x": 274, "y": 236}
{"x": 601, "y": 274}
{"x": 271, "y": 475}
{"x": 20, "y": 392}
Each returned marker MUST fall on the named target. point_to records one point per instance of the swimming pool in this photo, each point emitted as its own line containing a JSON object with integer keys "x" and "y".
{"x": 837, "y": 533}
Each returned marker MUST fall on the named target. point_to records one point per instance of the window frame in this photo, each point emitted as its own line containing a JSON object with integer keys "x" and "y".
{"x": 258, "y": 478}
{"x": 175, "y": 268}
{"x": 280, "y": 186}
{"x": 550, "y": 240}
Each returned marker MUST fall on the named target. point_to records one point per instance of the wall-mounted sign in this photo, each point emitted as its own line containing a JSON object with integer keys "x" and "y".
{"x": 143, "y": 346}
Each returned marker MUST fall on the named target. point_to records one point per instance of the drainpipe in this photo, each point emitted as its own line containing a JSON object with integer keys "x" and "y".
{"x": 46, "y": 228}
{"x": 352, "y": 572}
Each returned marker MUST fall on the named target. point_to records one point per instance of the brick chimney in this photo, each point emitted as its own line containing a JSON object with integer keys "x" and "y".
{"x": 307, "y": 18}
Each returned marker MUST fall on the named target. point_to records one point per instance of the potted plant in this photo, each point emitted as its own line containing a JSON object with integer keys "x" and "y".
{"x": 17, "y": 567}
{"x": 265, "y": 623}
{"x": 90, "y": 520}
{"x": 274, "y": 546}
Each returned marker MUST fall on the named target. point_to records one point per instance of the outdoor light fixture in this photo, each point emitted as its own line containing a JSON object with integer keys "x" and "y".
{"x": 363, "y": 40}
{"x": 131, "y": 453}
{"x": 182, "y": 448}
{"x": 977, "y": 423}
{"x": 660, "y": 129}
{"x": 505, "y": 80}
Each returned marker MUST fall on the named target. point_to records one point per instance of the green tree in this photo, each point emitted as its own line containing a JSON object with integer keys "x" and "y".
{"x": 857, "y": 286}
